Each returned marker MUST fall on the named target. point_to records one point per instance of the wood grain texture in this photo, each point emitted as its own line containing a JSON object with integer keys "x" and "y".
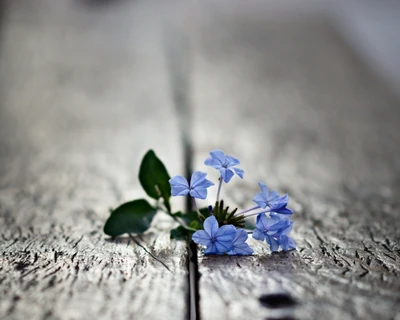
{"x": 84, "y": 94}
{"x": 303, "y": 115}
{"x": 85, "y": 91}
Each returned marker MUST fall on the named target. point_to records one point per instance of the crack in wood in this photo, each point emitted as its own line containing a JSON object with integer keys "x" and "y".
{"x": 149, "y": 253}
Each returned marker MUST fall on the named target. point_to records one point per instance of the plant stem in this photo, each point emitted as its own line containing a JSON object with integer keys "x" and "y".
{"x": 182, "y": 223}
{"x": 257, "y": 213}
{"x": 244, "y": 211}
{"x": 219, "y": 187}
{"x": 177, "y": 219}
{"x": 194, "y": 204}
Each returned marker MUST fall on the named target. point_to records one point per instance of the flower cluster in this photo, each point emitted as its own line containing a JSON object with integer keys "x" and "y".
{"x": 223, "y": 230}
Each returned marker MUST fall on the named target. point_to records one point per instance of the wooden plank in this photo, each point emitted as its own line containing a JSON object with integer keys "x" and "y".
{"x": 303, "y": 115}
{"x": 84, "y": 94}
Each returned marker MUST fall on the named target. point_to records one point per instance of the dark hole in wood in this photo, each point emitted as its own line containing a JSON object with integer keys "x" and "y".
{"x": 21, "y": 265}
{"x": 277, "y": 300}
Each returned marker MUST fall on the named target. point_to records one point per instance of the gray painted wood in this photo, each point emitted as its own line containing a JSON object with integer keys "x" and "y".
{"x": 84, "y": 94}
{"x": 306, "y": 117}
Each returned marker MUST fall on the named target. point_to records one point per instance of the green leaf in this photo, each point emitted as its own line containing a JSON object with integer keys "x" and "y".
{"x": 179, "y": 233}
{"x": 154, "y": 178}
{"x": 195, "y": 225}
{"x": 130, "y": 217}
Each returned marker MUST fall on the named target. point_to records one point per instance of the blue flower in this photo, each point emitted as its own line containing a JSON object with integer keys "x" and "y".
{"x": 239, "y": 245}
{"x": 225, "y": 164}
{"x": 286, "y": 242}
{"x": 217, "y": 240}
{"x": 198, "y": 185}
{"x": 275, "y": 232}
{"x": 272, "y": 200}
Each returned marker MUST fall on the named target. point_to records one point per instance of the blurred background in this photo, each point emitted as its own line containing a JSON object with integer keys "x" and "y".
{"x": 369, "y": 27}
{"x": 101, "y": 63}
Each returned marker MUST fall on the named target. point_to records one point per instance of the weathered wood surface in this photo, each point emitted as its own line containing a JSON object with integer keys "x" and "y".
{"x": 88, "y": 86}
{"x": 84, "y": 93}
{"x": 304, "y": 116}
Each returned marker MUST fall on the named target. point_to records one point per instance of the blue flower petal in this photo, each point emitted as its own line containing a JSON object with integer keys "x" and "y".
{"x": 275, "y": 229}
{"x": 179, "y": 180}
{"x": 242, "y": 249}
{"x": 262, "y": 222}
{"x": 200, "y": 193}
{"x": 284, "y": 211}
{"x": 197, "y": 178}
{"x": 218, "y": 155}
{"x": 240, "y": 236}
{"x": 239, "y": 172}
{"x": 271, "y": 199}
{"x": 258, "y": 235}
{"x": 223, "y": 246}
{"x": 273, "y": 243}
{"x": 212, "y": 163}
{"x": 225, "y": 233}
{"x": 179, "y": 191}
{"x": 287, "y": 243}
{"x": 198, "y": 185}
{"x": 201, "y": 237}
{"x": 286, "y": 230}
{"x": 291, "y": 244}
{"x": 274, "y": 225}
{"x": 280, "y": 202}
{"x": 260, "y": 200}
{"x": 264, "y": 189}
{"x": 179, "y": 186}
{"x": 206, "y": 184}
{"x": 231, "y": 161}
{"x": 210, "y": 225}
{"x": 277, "y": 216}
{"x": 273, "y": 196}
{"x": 226, "y": 174}
{"x": 211, "y": 249}
{"x": 224, "y": 238}
{"x": 224, "y": 164}
{"x": 239, "y": 245}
